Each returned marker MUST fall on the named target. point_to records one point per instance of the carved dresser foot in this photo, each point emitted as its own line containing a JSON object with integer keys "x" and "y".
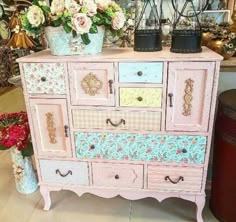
{"x": 46, "y": 196}
{"x": 200, "y": 202}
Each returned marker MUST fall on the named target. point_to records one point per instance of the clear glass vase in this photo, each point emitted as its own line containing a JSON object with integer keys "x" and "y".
{"x": 25, "y": 178}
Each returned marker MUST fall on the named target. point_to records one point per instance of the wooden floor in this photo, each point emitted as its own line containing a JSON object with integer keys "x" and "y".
{"x": 68, "y": 207}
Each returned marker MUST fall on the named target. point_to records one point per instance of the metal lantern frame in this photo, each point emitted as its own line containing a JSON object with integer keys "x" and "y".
{"x": 148, "y": 40}
{"x": 187, "y": 40}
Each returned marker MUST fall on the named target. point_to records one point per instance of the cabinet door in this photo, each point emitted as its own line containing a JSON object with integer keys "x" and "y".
{"x": 92, "y": 84}
{"x": 189, "y": 95}
{"x": 51, "y": 127}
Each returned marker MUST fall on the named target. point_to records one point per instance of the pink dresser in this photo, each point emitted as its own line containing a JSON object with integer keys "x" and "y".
{"x": 122, "y": 123}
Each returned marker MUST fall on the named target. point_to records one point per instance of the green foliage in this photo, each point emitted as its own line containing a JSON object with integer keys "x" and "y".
{"x": 85, "y": 38}
{"x": 28, "y": 151}
{"x": 93, "y": 29}
{"x": 3, "y": 147}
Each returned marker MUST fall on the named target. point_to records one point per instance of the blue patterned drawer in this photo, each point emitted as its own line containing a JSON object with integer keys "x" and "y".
{"x": 139, "y": 147}
{"x": 147, "y": 72}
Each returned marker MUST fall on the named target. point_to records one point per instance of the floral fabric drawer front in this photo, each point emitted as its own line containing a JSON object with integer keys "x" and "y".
{"x": 45, "y": 78}
{"x": 139, "y": 147}
{"x": 147, "y": 72}
{"x": 114, "y": 119}
{"x": 141, "y": 97}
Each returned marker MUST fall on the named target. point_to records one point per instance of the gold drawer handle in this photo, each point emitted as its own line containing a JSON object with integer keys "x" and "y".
{"x": 43, "y": 79}
{"x": 63, "y": 175}
{"x": 174, "y": 182}
{"x": 115, "y": 124}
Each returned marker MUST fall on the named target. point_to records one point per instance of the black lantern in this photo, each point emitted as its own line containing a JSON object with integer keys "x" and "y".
{"x": 187, "y": 33}
{"x": 147, "y": 33}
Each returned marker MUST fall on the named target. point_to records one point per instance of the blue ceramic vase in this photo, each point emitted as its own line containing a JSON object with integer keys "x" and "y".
{"x": 25, "y": 178}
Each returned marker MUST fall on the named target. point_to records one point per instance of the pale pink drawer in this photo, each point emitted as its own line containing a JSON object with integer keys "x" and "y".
{"x": 45, "y": 78}
{"x": 118, "y": 175}
{"x": 116, "y": 119}
{"x": 167, "y": 178}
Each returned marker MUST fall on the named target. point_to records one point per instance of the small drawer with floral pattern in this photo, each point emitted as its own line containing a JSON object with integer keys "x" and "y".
{"x": 45, "y": 78}
{"x": 141, "y": 97}
{"x": 141, "y": 147}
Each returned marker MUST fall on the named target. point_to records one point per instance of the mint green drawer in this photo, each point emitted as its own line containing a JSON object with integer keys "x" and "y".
{"x": 140, "y": 72}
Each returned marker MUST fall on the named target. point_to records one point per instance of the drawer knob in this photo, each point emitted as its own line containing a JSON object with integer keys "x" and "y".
{"x": 140, "y": 98}
{"x": 63, "y": 175}
{"x": 122, "y": 121}
{"x": 92, "y": 147}
{"x": 184, "y": 151}
{"x": 117, "y": 177}
{"x": 174, "y": 182}
{"x": 43, "y": 79}
{"x": 139, "y": 73}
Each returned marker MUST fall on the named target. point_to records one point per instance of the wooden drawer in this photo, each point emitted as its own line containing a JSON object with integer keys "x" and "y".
{"x": 147, "y": 72}
{"x": 175, "y": 178}
{"x": 45, "y": 78}
{"x": 118, "y": 175}
{"x": 141, "y": 147}
{"x": 64, "y": 172}
{"x": 92, "y": 84}
{"x": 141, "y": 97}
{"x": 114, "y": 119}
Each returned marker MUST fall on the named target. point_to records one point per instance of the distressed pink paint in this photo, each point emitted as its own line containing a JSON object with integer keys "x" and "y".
{"x": 109, "y": 178}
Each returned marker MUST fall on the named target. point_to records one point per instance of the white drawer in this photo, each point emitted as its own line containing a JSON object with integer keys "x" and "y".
{"x": 115, "y": 119}
{"x": 118, "y": 175}
{"x": 165, "y": 178}
{"x": 64, "y": 172}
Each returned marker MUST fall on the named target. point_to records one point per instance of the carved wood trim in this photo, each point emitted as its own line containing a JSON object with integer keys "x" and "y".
{"x": 50, "y": 127}
{"x": 91, "y": 84}
{"x": 188, "y": 97}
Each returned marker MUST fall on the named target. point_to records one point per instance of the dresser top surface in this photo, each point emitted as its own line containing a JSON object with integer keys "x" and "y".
{"x": 124, "y": 54}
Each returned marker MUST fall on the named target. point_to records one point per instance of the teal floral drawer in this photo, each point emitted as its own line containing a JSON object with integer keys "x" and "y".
{"x": 139, "y": 147}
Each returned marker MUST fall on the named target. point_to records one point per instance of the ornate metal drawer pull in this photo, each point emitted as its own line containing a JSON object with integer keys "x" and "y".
{"x": 63, "y": 175}
{"x": 188, "y": 97}
{"x": 110, "y": 86}
{"x": 117, "y": 177}
{"x": 171, "y": 99}
{"x": 174, "y": 182}
{"x": 139, "y": 73}
{"x": 51, "y": 127}
{"x": 115, "y": 124}
{"x": 66, "y": 130}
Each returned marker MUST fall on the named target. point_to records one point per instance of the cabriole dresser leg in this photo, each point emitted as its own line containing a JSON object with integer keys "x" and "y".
{"x": 200, "y": 202}
{"x": 46, "y": 196}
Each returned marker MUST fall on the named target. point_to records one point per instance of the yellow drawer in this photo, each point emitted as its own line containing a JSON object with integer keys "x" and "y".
{"x": 141, "y": 97}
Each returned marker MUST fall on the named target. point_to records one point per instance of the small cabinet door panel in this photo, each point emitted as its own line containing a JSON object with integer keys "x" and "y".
{"x": 51, "y": 127}
{"x": 92, "y": 84}
{"x": 189, "y": 95}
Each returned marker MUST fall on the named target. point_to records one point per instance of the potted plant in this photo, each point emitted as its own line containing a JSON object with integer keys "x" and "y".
{"x": 84, "y": 20}
{"x": 15, "y": 135}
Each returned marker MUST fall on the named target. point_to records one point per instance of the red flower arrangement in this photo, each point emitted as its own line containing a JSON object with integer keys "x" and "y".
{"x": 14, "y": 131}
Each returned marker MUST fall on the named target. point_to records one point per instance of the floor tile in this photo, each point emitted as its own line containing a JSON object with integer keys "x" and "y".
{"x": 67, "y": 206}
{"x": 172, "y": 209}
